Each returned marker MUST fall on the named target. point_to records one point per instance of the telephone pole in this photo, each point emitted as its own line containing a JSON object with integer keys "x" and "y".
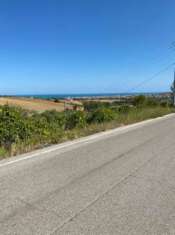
{"x": 173, "y": 89}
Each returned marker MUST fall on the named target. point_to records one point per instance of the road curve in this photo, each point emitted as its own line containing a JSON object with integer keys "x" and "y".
{"x": 118, "y": 182}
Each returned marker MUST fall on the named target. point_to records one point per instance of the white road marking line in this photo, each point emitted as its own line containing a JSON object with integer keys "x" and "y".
{"x": 86, "y": 140}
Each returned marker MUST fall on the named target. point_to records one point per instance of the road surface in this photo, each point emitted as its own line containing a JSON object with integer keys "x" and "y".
{"x": 121, "y": 182}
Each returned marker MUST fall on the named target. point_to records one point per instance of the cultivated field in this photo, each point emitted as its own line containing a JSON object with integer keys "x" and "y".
{"x": 38, "y": 105}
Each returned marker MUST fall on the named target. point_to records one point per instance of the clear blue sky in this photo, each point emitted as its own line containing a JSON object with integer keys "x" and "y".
{"x": 85, "y": 46}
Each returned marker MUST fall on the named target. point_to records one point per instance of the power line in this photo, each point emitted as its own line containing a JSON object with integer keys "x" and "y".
{"x": 151, "y": 78}
{"x": 172, "y": 46}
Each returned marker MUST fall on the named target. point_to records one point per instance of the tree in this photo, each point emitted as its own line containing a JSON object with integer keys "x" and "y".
{"x": 173, "y": 92}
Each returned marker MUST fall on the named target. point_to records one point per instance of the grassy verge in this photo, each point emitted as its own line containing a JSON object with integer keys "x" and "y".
{"x": 122, "y": 119}
{"x": 23, "y": 132}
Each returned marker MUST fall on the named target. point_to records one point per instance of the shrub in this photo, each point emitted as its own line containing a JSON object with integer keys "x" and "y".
{"x": 101, "y": 115}
{"x": 164, "y": 104}
{"x": 152, "y": 102}
{"x": 75, "y": 119}
{"x": 94, "y": 105}
{"x": 124, "y": 108}
{"x": 13, "y": 126}
{"x": 139, "y": 100}
{"x": 44, "y": 130}
{"x": 55, "y": 117}
{"x": 21, "y": 130}
{"x": 3, "y": 152}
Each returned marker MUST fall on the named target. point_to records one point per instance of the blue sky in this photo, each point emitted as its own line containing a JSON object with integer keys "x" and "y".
{"x": 85, "y": 46}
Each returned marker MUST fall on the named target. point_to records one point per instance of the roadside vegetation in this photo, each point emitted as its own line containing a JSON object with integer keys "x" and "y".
{"x": 22, "y": 131}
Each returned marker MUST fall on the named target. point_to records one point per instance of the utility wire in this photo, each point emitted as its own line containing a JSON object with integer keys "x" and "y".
{"x": 151, "y": 78}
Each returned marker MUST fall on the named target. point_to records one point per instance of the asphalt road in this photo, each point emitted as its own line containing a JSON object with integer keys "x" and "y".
{"x": 121, "y": 182}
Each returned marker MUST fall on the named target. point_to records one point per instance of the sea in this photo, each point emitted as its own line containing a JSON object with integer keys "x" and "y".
{"x": 88, "y": 95}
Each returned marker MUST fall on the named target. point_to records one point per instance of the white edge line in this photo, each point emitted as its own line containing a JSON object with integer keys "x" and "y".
{"x": 81, "y": 140}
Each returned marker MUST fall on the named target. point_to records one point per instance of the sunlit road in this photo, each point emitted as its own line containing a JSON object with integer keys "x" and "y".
{"x": 122, "y": 182}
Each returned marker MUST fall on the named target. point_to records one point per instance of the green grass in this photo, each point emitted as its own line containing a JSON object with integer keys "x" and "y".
{"x": 133, "y": 116}
{"x": 141, "y": 114}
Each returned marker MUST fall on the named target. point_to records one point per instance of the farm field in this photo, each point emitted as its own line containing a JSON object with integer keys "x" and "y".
{"x": 38, "y": 105}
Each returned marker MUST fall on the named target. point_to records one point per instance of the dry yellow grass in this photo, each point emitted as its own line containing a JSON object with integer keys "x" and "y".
{"x": 38, "y": 105}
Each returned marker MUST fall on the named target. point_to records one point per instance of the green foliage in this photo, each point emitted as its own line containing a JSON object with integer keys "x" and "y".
{"x": 75, "y": 119}
{"x": 151, "y": 102}
{"x": 3, "y": 152}
{"x": 55, "y": 117}
{"x": 142, "y": 101}
{"x": 101, "y": 115}
{"x": 94, "y": 105}
{"x": 20, "y": 128}
{"x": 124, "y": 108}
{"x": 22, "y": 131}
{"x": 13, "y": 126}
{"x": 139, "y": 100}
{"x": 164, "y": 104}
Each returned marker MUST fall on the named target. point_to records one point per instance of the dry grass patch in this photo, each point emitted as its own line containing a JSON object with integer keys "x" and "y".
{"x": 38, "y": 105}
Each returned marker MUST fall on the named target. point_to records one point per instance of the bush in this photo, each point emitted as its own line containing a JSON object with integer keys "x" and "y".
{"x": 124, "y": 108}
{"x": 13, "y": 126}
{"x": 164, "y": 104}
{"x": 101, "y": 115}
{"x": 94, "y": 105}
{"x": 3, "y": 152}
{"x": 139, "y": 100}
{"x": 75, "y": 119}
{"x": 21, "y": 131}
{"x": 152, "y": 102}
{"x": 55, "y": 117}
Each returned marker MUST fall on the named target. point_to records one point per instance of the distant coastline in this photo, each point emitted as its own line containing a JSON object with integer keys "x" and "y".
{"x": 88, "y": 95}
